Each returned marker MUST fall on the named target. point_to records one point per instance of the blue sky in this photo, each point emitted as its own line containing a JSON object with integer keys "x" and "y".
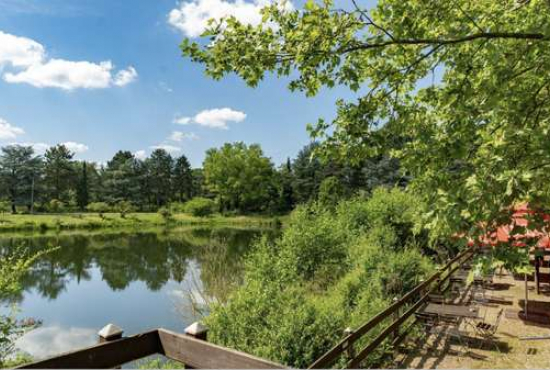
{"x": 53, "y": 88}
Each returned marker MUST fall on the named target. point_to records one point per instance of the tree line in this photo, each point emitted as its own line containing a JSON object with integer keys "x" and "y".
{"x": 238, "y": 177}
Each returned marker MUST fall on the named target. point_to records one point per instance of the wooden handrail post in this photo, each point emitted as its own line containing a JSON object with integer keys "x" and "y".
{"x": 197, "y": 331}
{"x": 109, "y": 333}
{"x": 395, "y": 334}
{"x": 438, "y": 281}
{"x": 350, "y": 347}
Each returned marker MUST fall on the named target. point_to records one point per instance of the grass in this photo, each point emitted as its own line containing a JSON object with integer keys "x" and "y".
{"x": 89, "y": 221}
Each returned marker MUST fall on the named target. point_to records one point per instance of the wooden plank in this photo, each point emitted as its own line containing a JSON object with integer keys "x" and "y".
{"x": 203, "y": 355}
{"x": 105, "y": 355}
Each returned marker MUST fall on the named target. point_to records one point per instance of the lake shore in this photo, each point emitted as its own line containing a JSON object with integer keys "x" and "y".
{"x": 89, "y": 221}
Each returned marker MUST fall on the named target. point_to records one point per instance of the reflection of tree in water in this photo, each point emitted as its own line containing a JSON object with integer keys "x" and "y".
{"x": 151, "y": 257}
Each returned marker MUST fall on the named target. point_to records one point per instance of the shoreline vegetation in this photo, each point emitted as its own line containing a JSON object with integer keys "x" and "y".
{"x": 91, "y": 221}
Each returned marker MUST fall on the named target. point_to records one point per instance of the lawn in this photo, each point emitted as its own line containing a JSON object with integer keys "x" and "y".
{"x": 67, "y": 221}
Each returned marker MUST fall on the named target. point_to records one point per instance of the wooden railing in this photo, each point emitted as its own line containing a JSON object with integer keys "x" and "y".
{"x": 192, "y": 352}
{"x": 410, "y": 302}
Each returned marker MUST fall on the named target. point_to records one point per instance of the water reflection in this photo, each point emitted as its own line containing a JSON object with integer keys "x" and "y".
{"x": 49, "y": 341}
{"x": 152, "y": 257}
{"x": 137, "y": 280}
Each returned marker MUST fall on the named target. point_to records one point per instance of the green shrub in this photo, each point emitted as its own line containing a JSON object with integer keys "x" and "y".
{"x": 314, "y": 243}
{"x": 12, "y": 269}
{"x": 165, "y": 213}
{"x": 200, "y": 207}
{"x": 124, "y": 207}
{"x": 331, "y": 191}
{"x": 56, "y": 206}
{"x": 99, "y": 207}
{"x": 5, "y": 206}
{"x": 177, "y": 207}
{"x": 331, "y": 268}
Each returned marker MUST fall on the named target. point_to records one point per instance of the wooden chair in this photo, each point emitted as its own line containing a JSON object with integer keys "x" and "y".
{"x": 487, "y": 330}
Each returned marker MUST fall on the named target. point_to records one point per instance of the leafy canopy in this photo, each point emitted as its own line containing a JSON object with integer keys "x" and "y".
{"x": 460, "y": 87}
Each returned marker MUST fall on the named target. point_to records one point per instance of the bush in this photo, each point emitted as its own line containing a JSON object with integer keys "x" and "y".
{"x": 330, "y": 269}
{"x": 5, "y": 206}
{"x": 200, "y": 207}
{"x": 165, "y": 213}
{"x": 99, "y": 207}
{"x": 12, "y": 269}
{"x": 56, "y": 206}
{"x": 176, "y": 207}
{"x": 331, "y": 191}
{"x": 124, "y": 207}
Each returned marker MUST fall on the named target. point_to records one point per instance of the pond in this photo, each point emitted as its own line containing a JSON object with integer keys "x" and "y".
{"x": 136, "y": 280}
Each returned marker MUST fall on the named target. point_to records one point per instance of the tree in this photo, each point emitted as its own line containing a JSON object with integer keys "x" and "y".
{"x": 308, "y": 174}
{"x": 19, "y": 169}
{"x": 286, "y": 195}
{"x": 239, "y": 175}
{"x": 160, "y": 165}
{"x": 120, "y": 179}
{"x": 58, "y": 171}
{"x": 183, "y": 179}
{"x": 462, "y": 81}
{"x": 83, "y": 187}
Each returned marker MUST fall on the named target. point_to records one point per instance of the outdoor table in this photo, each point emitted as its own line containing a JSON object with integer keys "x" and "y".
{"x": 451, "y": 310}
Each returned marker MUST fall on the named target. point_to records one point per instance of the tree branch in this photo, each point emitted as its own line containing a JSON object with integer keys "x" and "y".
{"x": 443, "y": 41}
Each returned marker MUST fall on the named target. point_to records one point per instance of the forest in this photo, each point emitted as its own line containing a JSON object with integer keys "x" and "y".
{"x": 236, "y": 178}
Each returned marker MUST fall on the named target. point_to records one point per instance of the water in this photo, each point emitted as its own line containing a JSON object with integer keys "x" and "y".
{"x": 136, "y": 280}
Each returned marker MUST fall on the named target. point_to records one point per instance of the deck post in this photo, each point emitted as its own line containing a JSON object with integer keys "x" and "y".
{"x": 110, "y": 332}
{"x": 395, "y": 334}
{"x": 197, "y": 331}
{"x": 350, "y": 347}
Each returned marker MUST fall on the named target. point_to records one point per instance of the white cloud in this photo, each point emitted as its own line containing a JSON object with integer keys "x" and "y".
{"x": 179, "y": 136}
{"x": 30, "y": 65}
{"x": 191, "y": 17}
{"x": 213, "y": 118}
{"x": 39, "y": 148}
{"x": 140, "y": 154}
{"x": 219, "y": 118}
{"x": 19, "y": 51}
{"x": 182, "y": 120}
{"x": 42, "y": 147}
{"x": 76, "y": 147}
{"x": 167, "y": 147}
{"x": 125, "y": 76}
{"x": 8, "y": 131}
{"x": 49, "y": 341}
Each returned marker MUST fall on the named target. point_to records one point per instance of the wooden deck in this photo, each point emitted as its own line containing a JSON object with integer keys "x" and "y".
{"x": 436, "y": 351}
{"x": 194, "y": 353}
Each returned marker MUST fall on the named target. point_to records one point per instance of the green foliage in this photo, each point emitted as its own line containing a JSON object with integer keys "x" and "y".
{"x": 56, "y": 206}
{"x": 158, "y": 363}
{"x": 240, "y": 176}
{"x": 12, "y": 268}
{"x": 166, "y": 214}
{"x": 331, "y": 191}
{"x": 5, "y": 206}
{"x": 58, "y": 171}
{"x": 99, "y": 207}
{"x": 474, "y": 140}
{"x": 329, "y": 270}
{"x": 200, "y": 207}
{"x": 124, "y": 207}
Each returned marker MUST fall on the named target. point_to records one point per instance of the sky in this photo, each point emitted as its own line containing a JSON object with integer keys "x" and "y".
{"x": 104, "y": 75}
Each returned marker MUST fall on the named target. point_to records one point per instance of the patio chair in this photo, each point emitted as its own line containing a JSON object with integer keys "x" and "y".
{"x": 487, "y": 330}
{"x": 452, "y": 332}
